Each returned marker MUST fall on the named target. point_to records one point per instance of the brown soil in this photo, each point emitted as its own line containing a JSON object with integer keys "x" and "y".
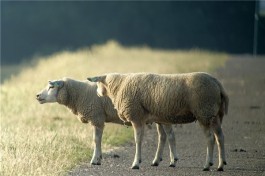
{"x": 244, "y": 130}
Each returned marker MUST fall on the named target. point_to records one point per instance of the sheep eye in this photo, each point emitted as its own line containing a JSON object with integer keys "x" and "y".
{"x": 50, "y": 87}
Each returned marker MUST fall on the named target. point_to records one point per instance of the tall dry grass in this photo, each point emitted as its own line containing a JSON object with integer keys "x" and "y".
{"x": 47, "y": 139}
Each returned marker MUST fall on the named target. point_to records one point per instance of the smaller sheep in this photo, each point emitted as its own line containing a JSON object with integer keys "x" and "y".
{"x": 82, "y": 100}
{"x": 169, "y": 99}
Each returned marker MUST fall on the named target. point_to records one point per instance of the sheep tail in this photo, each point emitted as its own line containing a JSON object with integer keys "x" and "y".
{"x": 224, "y": 102}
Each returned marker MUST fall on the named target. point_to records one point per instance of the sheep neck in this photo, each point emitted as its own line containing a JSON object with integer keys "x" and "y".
{"x": 73, "y": 96}
{"x": 114, "y": 86}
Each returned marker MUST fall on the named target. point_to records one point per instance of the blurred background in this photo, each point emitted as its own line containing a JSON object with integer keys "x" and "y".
{"x": 30, "y": 28}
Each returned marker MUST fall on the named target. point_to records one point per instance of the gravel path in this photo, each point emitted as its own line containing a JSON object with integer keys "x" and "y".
{"x": 244, "y": 130}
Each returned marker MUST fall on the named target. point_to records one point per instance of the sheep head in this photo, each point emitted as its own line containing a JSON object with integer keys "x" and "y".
{"x": 50, "y": 93}
{"x": 101, "y": 83}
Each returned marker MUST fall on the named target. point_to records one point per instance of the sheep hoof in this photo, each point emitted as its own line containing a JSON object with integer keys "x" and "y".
{"x": 116, "y": 156}
{"x": 211, "y": 164}
{"x": 225, "y": 163}
{"x": 220, "y": 169}
{"x": 206, "y": 169}
{"x": 96, "y": 163}
{"x": 140, "y": 161}
{"x": 161, "y": 159}
{"x": 154, "y": 164}
{"x": 135, "y": 167}
{"x": 172, "y": 165}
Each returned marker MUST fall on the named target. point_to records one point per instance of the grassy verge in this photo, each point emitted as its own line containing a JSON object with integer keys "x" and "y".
{"x": 47, "y": 139}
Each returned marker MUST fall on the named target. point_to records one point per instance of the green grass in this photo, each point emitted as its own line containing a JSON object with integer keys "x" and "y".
{"x": 48, "y": 139}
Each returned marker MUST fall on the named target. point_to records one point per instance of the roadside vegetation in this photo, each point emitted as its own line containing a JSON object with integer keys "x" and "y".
{"x": 48, "y": 139}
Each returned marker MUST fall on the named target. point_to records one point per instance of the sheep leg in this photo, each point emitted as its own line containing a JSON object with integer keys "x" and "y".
{"x": 210, "y": 146}
{"x": 219, "y": 136}
{"x": 161, "y": 144}
{"x": 97, "y": 155}
{"x": 172, "y": 144}
{"x": 138, "y": 136}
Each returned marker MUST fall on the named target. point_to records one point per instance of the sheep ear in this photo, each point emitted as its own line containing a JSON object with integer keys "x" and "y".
{"x": 58, "y": 84}
{"x": 51, "y": 82}
{"x": 96, "y": 79}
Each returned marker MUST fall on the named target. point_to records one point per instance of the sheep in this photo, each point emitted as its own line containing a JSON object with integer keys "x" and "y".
{"x": 169, "y": 99}
{"x": 81, "y": 99}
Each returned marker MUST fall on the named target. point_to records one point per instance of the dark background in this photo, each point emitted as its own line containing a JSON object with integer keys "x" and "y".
{"x": 29, "y": 28}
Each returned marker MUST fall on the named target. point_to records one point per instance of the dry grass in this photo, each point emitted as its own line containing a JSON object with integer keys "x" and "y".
{"x": 47, "y": 139}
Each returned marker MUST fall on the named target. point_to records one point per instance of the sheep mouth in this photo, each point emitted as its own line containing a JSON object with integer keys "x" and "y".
{"x": 40, "y": 100}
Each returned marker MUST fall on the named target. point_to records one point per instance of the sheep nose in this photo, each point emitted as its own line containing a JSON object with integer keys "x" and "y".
{"x": 37, "y": 96}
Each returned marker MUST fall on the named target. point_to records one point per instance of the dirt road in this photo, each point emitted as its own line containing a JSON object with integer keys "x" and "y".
{"x": 244, "y": 130}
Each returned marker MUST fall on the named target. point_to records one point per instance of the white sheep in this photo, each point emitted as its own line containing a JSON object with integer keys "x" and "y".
{"x": 168, "y": 99}
{"x": 81, "y": 98}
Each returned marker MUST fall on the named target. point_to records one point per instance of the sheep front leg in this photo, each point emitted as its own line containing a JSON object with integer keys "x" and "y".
{"x": 210, "y": 146}
{"x": 162, "y": 137}
{"x": 97, "y": 155}
{"x": 172, "y": 144}
{"x": 138, "y": 136}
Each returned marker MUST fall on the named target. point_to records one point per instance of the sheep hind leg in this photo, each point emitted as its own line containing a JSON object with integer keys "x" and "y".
{"x": 172, "y": 144}
{"x": 162, "y": 137}
{"x": 219, "y": 136}
{"x": 138, "y": 136}
{"x": 97, "y": 155}
{"x": 210, "y": 147}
